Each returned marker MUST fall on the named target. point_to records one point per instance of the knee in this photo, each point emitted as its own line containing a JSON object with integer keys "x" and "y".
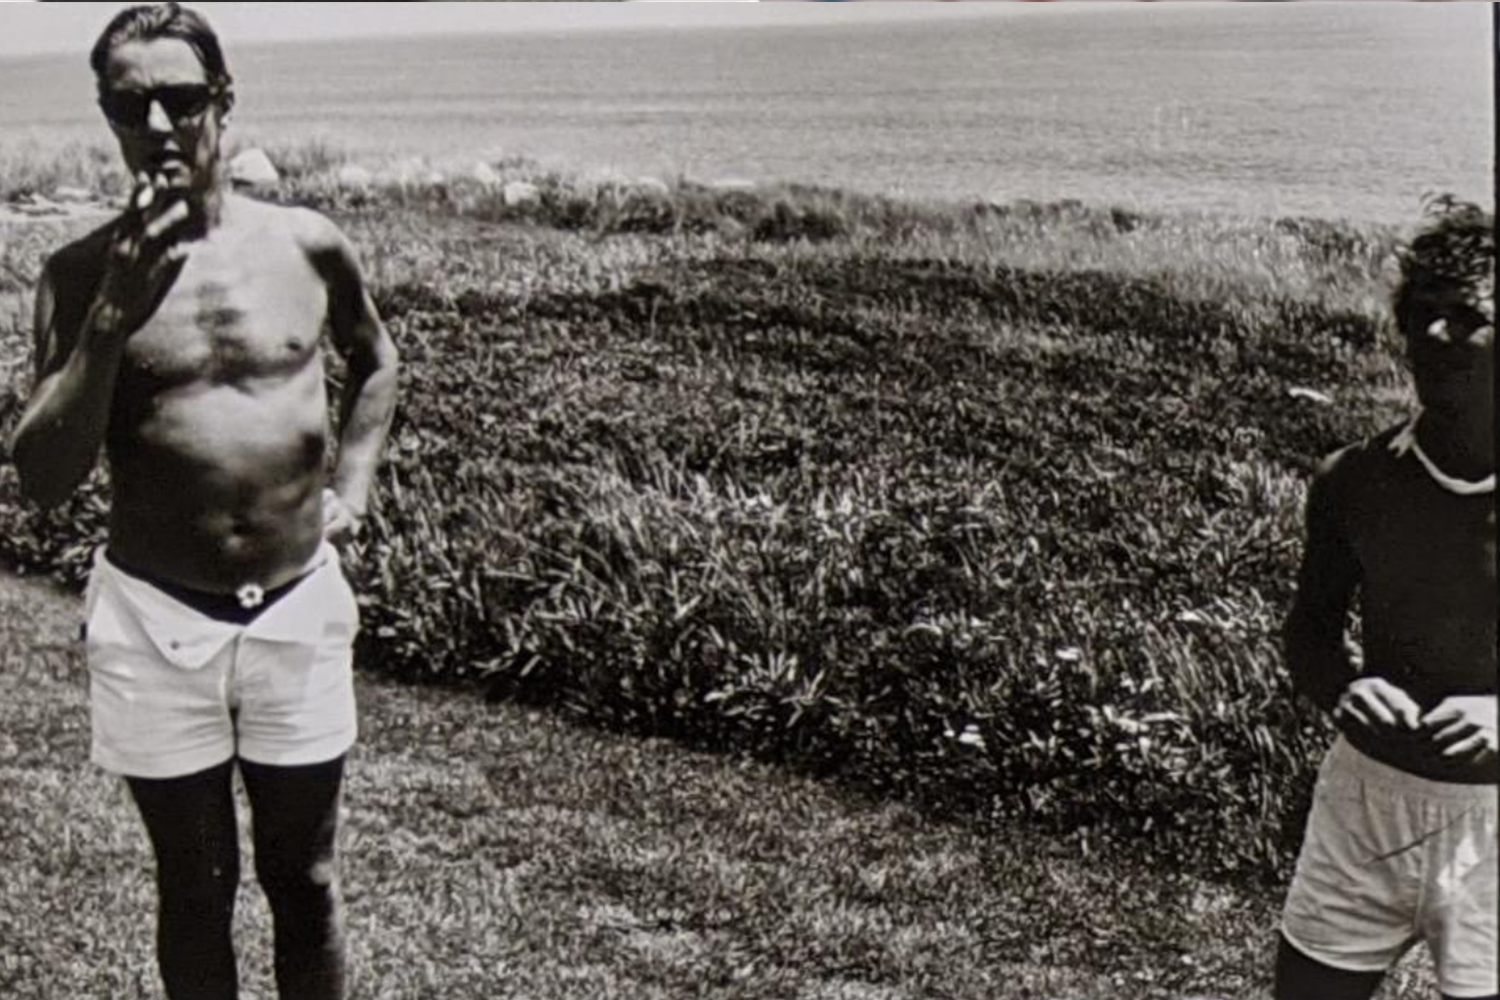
{"x": 298, "y": 881}
{"x": 305, "y": 904}
{"x": 206, "y": 888}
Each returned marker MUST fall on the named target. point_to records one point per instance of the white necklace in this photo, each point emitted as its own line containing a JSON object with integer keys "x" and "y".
{"x": 1406, "y": 442}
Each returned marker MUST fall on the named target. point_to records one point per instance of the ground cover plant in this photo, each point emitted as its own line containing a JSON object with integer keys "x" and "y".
{"x": 994, "y": 507}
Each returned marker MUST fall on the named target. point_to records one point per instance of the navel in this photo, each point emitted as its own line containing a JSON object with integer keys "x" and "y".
{"x": 237, "y": 541}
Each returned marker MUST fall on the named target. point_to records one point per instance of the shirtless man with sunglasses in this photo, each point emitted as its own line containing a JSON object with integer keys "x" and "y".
{"x": 184, "y": 340}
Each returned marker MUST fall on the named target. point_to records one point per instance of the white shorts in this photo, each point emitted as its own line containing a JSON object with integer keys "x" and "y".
{"x": 174, "y": 691}
{"x": 1391, "y": 859}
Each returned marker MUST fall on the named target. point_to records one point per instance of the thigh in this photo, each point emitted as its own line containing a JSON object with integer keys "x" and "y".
{"x": 1460, "y": 920}
{"x": 297, "y": 703}
{"x": 151, "y": 716}
{"x": 191, "y": 823}
{"x": 294, "y": 814}
{"x": 1300, "y": 977}
{"x": 1355, "y": 895}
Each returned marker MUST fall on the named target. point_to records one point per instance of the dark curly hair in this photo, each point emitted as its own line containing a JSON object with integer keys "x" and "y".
{"x": 167, "y": 20}
{"x": 1455, "y": 248}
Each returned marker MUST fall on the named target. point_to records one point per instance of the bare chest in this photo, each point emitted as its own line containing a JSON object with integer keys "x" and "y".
{"x": 234, "y": 314}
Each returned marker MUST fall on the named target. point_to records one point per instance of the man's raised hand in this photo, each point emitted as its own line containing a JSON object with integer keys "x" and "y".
{"x": 146, "y": 249}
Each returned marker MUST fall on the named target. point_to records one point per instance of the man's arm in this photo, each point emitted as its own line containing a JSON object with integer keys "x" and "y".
{"x": 1316, "y": 634}
{"x": 119, "y": 275}
{"x": 62, "y": 428}
{"x": 369, "y": 399}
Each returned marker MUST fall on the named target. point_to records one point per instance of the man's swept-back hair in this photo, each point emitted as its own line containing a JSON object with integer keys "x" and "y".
{"x": 1456, "y": 248}
{"x": 165, "y": 20}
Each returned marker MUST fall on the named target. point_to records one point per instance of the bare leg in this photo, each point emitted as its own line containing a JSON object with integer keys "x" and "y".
{"x": 191, "y": 824}
{"x": 295, "y": 812}
{"x": 1301, "y": 978}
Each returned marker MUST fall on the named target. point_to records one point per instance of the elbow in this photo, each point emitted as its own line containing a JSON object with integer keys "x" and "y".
{"x": 387, "y": 373}
{"x": 38, "y": 486}
{"x": 391, "y": 368}
{"x": 389, "y": 359}
{"x": 1316, "y": 661}
{"x": 42, "y": 494}
{"x": 379, "y": 365}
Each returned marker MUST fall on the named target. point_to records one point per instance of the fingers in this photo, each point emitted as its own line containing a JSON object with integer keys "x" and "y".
{"x": 342, "y": 532}
{"x": 333, "y": 511}
{"x": 1477, "y": 746}
{"x": 150, "y": 190}
{"x": 1457, "y": 729}
{"x": 340, "y": 526}
{"x": 163, "y": 223}
{"x": 1446, "y": 712}
{"x": 1460, "y": 728}
{"x": 149, "y": 244}
{"x": 1402, "y": 705}
{"x": 153, "y": 207}
{"x": 1374, "y": 706}
{"x": 1463, "y": 729}
{"x": 1348, "y": 709}
{"x": 1373, "y": 702}
{"x": 144, "y": 194}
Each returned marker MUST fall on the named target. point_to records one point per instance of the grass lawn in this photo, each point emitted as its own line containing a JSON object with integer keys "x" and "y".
{"x": 491, "y": 851}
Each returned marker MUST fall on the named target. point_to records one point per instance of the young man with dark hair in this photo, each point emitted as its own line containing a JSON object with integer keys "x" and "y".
{"x": 183, "y": 339}
{"x": 1401, "y": 843}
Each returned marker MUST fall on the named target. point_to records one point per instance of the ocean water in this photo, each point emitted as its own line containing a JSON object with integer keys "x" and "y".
{"x": 1315, "y": 109}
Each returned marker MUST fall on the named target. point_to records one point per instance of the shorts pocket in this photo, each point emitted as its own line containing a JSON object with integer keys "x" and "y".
{"x": 303, "y": 662}
{"x": 287, "y": 671}
{"x": 295, "y": 673}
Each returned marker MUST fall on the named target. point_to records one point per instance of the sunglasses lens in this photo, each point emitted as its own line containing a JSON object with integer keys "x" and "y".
{"x": 127, "y": 108}
{"x": 183, "y": 102}
{"x": 132, "y": 108}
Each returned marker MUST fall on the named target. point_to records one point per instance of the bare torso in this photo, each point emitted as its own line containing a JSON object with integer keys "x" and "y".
{"x": 219, "y": 428}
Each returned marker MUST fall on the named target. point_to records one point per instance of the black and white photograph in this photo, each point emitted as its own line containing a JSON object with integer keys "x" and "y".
{"x": 785, "y": 500}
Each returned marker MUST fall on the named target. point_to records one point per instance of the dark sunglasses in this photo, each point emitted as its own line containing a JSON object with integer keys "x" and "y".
{"x": 131, "y": 109}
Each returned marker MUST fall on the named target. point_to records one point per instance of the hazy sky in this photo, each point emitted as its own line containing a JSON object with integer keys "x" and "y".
{"x": 71, "y": 27}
